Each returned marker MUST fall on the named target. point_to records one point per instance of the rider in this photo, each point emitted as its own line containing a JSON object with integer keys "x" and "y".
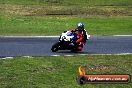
{"x": 81, "y": 35}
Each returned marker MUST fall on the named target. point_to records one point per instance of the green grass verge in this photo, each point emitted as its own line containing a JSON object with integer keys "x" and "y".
{"x": 54, "y": 25}
{"x": 22, "y": 17}
{"x": 60, "y": 72}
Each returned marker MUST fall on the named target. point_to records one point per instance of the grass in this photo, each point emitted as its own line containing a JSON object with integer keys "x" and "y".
{"x": 58, "y": 72}
{"x": 70, "y": 2}
{"x": 51, "y": 17}
{"x": 54, "y": 25}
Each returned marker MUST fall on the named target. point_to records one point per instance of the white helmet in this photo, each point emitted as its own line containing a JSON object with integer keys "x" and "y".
{"x": 80, "y": 26}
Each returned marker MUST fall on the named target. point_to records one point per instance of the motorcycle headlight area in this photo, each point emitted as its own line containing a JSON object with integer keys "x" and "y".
{"x": 63, "y": 37}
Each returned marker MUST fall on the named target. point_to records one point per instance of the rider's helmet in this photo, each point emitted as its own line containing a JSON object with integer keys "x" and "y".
{"x": 80, "y": 26}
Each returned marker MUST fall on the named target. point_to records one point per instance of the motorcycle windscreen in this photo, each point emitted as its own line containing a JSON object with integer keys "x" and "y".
{"x": 69, "y": 33}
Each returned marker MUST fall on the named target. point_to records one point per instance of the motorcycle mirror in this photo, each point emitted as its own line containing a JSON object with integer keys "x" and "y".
{"x": 65, "y": 31}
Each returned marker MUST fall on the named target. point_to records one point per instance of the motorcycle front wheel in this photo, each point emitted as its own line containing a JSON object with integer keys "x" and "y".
{"x": 55, "y": 47}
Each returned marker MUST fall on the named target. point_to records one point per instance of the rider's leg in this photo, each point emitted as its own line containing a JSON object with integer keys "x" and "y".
{"x": 80, "y": 47}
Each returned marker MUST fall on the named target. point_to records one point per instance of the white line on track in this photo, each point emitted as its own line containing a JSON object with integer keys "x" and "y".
{"x": 70, "y": 55}
{"x": 29, "y": 36}
{"x": 95, "y": 54}
{"x": 28, "y": 56}
{"x": 43, "y": 36}
{"x": 83, "y": 54}
{"x": 7, "y": 58}
{"x": 108, "y": 54}
{"x": 124, "y": 54}
{"x": 55, "y": 55}
{"x": 122, "y": 35}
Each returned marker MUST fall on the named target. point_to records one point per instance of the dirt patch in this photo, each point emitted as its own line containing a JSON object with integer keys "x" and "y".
{"x": 32, "y": 10}
{"x": 16, "y": 9}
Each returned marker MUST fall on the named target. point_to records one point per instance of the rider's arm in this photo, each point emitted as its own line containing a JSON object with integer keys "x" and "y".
{"x": 86, "y": 34}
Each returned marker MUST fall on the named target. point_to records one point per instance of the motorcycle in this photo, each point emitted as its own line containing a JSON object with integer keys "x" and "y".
{"x": 66, "y": 42}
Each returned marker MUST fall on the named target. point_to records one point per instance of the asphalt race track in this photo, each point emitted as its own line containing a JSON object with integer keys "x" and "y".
{"x": 13, "y": 46}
